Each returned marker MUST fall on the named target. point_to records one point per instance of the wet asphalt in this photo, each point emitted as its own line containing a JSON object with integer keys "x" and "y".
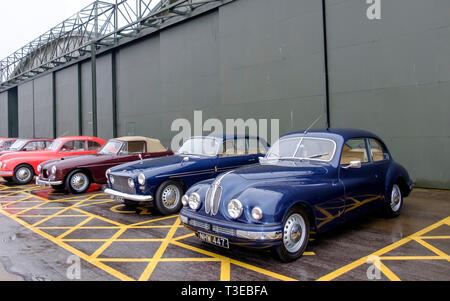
{"x": 42, "y": 235}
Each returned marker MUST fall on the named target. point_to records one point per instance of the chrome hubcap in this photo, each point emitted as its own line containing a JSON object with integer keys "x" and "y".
{"x": 294, "y": 233}
{"x": 23, "y": 174}
{"x": 396, "y": 198}
{"x": 171, "y": 196}
{"x": 79, "y": 181}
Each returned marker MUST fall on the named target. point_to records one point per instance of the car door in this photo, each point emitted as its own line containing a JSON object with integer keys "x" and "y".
{"x": 361, "y": 183}
{"x": 234, "y": 154}
{"x": 380, "y": 160}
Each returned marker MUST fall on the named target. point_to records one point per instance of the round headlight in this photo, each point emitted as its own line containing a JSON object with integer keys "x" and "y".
{"x": 194, "y": 201}
{"x": 235, "y": 208}
{"x": 53, "y": 169}
{"x": 257, "y": 213}
{"x": 141, "y": 179}
{"x": 131, "y": 183}
{"x": 111, "y": 179}
{"x": 185, "y": 200}
{"x": 39, "y": 168}
{"x": 107, "y": 172}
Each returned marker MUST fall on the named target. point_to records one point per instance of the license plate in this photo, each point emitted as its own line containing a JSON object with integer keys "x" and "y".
{"x": 118, "y": 198}
{"x": 213, "y": 239}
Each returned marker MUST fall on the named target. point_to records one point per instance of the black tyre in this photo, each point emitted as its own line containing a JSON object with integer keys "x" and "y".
{"x": 58, "y": 188}
{"x": 23, "y": 174}
{"x": 131, "y": 204}
{"x": 8, "y": 179}
{"x": 168, "y": 197}
{"x": 295, "y": 235}
{"x": 394, "y": 202}
{"x": 78, "y": 182}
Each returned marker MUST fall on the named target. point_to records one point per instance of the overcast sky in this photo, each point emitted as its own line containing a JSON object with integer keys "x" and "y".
{"x": 21, "y": 21}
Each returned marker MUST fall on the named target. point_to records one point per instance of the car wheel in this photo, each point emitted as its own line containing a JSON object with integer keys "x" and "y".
{"x": 78, "y": 182}
{"x": 394, "y": 203}
{"x": 131, "y": 204}
{"x": 295, "y": 235}
{"x": 168, "y": 197}
{"x": 23, "y": 174}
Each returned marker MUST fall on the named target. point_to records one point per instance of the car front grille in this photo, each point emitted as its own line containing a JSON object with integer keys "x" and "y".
{"x": 212, "y": 201}
{"x": 223, "y": 230}
{"x": 121, "y": 184}
{"x": 199, "y": 224}
{"x": 214, "y": 228}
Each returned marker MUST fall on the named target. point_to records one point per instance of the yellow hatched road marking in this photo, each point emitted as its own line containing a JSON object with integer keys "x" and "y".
{"x": 162, "y": 248}
{"x": 95, "y": 259}
{"x": 379, "y": 253}
{"x": 71, "y": 249}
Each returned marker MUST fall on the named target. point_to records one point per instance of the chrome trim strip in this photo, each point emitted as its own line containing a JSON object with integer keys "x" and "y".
{"x": 48, "y": 183}
{"x": 190, "y": 173}
{"x": 132, "y": 197}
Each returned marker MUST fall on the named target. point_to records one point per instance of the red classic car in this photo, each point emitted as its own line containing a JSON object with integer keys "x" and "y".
{"x": 26, "y": 145}
{"x": 5, "y": 143}
{"x": 22, "y": 167}
{"x": 77, "y": 174}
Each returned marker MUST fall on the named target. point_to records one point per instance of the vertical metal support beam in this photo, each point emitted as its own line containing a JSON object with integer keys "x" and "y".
{"x": 54, "y": 103}
{"x": 116, "y": 21}
{"x": 114, "y": 91}
{"x": 80, "y": 101}
{"x": 94, "y": 89}
{"x": 94, "y": 75}
{"x": 325, "y": 54}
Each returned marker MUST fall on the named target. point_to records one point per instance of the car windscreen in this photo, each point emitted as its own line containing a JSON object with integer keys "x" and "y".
{"x": 302, "y": 148}
{"x": 16, "y": 146}
{"x": 112, "y": 147}
{"x": 204, "y": 146}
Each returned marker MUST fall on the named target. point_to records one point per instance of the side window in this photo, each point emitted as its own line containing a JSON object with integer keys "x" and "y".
{"x": 378, "y": 151}
{"x": 93, "y": 146}
{"x": 256, "y": 146}
{"x": 354, "y": 150}
{"x": 74, "y": 146}
{"x": 234, "y": 147}
{"x": 134, "y": 147}
{"x": 35, "y": 145}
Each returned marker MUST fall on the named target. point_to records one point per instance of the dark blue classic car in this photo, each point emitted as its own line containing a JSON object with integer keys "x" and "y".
{"x": 311, "y": 181}
{"x": 164, "y": 180}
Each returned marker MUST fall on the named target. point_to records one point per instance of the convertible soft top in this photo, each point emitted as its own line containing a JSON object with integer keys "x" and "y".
{"x": 153, "y": 144}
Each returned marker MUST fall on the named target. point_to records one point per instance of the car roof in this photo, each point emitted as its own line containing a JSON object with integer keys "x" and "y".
{"x": 227, "y": 137}
{"x": 36, "y": 139}
{"x": 153, "y": 144}
{"x": 77, "y": 137}
{"x": 344, "y": 133}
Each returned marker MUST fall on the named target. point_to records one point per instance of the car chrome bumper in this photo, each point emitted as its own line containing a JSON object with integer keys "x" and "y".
{"x": 252, "y": 235}
{"x": 131, "y": 197}
{"x": 44, "y": 183}
{"x": 6, "y": 173}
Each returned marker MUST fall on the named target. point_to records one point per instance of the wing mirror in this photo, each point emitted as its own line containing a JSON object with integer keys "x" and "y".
{"x": 353, "y": 164}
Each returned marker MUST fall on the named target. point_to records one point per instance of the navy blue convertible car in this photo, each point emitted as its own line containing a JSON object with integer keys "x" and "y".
{"x": 164, "y": 180}
{"x": 310, "y": 181}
